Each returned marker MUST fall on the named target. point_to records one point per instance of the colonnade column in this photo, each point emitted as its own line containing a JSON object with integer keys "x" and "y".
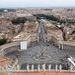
{"x": 60, "y": 67}
{"x": 39, "y": 67}
{"x": 56, "y": 67}
{"x": 49, "y": 66}
{"x": 32, "y": 67}
{"x": 44, "y": 67}
{"x": 27, "y": 67}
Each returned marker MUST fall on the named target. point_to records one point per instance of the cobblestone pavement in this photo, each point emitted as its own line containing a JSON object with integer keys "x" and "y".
{"x": 41, "y": 53}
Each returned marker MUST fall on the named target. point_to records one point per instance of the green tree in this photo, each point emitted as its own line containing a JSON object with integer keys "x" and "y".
{"x": 3, "y": 41}
{"x": 19, "y": 20}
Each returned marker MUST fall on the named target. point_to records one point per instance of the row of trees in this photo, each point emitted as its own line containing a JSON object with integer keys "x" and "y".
{"x": 49, "y": 17}
{"x": 53, "y": 18}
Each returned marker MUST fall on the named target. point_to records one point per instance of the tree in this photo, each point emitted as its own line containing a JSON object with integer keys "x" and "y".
{"x": 48, "y": 17}
{"x": 3, "y": 41}
{"x": 19, "y": 20}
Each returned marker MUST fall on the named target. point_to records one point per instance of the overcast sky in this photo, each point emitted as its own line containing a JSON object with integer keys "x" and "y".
{"x": 36, "y": 3}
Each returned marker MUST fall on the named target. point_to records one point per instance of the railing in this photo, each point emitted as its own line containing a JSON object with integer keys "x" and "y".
{"x": 39, "y": 73}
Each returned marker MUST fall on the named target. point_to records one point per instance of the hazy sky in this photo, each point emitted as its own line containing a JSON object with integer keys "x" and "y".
{"x": 36, "y": 3}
